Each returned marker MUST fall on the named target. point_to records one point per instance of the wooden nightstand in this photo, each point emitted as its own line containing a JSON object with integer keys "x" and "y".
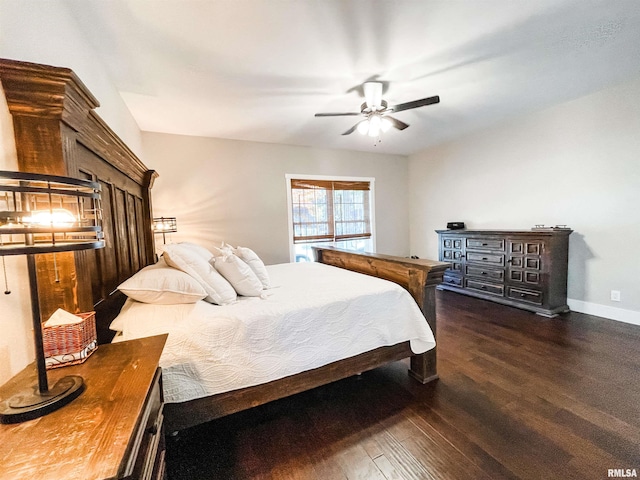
{"x": 113, "y": 430}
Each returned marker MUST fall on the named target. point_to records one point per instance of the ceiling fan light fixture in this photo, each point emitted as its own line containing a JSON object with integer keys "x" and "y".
{"x": 385, "y": 124}
{"x": 363, "y": 127}
{"x": 376, "y": 112}
{"x": 374, "y": 126}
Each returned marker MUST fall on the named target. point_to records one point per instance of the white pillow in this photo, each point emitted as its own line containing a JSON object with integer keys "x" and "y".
{"x": 255, "y": 263}
{"x": 186, "y": 259}
{"x": 162, "y": 284}
{"x": 238, "y": 273}
{"x": 200, "y": 250}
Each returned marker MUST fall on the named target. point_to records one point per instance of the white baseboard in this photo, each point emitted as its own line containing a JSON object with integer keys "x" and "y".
{"x": 613, "y": 313}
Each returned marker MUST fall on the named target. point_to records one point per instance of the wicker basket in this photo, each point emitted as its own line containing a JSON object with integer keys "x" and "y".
{"x": 70, "y": 344}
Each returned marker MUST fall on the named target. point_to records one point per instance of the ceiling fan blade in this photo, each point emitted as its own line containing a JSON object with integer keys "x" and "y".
{"x": 344, "y": 114}
{"x": 352, "y": 129}
{"x": 415, "y": 104}
{"x": 396, "y": 123}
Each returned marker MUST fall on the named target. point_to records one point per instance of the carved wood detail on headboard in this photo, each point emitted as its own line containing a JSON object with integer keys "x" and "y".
{"x": 58, "y": 132}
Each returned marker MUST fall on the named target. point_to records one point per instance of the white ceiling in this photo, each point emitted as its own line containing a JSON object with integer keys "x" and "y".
{"x": 259, "y": 69}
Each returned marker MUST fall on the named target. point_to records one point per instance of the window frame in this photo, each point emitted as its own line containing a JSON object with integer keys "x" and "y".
{"x": 372, "y": 210}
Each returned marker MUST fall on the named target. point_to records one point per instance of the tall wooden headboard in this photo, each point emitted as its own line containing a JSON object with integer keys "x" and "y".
{"x": 57, "y": 132}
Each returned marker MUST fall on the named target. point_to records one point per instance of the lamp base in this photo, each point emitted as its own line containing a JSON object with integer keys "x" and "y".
{"x": 30, "y": 403}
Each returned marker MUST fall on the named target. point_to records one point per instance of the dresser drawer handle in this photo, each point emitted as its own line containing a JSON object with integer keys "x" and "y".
{"x": 483, "y": 287}
{"x": 484, "y": 273}
{"x": 484, "y": 244}
{"x": 485, "y": 258}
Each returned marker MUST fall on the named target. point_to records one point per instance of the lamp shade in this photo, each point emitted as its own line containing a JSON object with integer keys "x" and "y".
{"x": 165, "y": 225}
{"x": 47, "y": 213}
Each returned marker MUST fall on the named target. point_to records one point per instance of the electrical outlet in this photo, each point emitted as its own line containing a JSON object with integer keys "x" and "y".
{"x": 615, "y": 295}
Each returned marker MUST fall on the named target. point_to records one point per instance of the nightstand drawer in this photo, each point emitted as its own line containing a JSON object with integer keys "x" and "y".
{"x": 149, "y": 438}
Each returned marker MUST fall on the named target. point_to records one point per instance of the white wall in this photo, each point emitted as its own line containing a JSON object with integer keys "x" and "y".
{"x": 16, "y": 341}
{"x": 235, "y": 191}
{"x": 44, "y": 32}
{"x": 576, "y": 164}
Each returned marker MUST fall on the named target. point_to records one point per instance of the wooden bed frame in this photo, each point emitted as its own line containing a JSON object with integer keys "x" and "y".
{"x": 58, "y": 132}
{"x": 419, "y": 277}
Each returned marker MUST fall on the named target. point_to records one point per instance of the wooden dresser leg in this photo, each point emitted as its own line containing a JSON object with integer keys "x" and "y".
{"x": 423, "y": 367}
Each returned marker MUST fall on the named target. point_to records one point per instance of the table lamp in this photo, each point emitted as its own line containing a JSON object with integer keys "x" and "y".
{"x": 42, "y": 214}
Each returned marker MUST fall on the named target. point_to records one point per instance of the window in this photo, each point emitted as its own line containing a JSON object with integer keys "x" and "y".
{"x": 335, "y": 211}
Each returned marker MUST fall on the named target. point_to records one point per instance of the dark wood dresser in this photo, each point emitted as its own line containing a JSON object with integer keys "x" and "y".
{"x": 113, "y": 430}
{"x": 522, "y": 268}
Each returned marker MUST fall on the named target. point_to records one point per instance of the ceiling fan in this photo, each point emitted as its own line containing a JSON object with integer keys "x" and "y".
{"x": 376, "y": 111}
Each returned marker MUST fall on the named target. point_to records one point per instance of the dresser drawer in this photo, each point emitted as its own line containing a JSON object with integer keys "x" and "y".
{"x": 455, "y": 243}
{"x": 485, "y": 287}
{"x": 489, "y": 273}
{"x": 525, "y": 295}
{"x": 524, "y": 276}
{"x": 452, "y": 280}
{"x": 451, "y": 255}
{"x": 485, "y": 258}
{"x": 486, "y": 243}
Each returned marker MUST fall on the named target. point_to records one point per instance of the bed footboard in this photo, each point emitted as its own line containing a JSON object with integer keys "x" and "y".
{"x": 419, "y": 277}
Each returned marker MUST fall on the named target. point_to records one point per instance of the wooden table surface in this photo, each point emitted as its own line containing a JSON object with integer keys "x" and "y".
{"x": 88, "y": 438}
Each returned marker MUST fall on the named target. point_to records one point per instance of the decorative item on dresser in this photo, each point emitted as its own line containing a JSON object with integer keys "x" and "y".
{"x": 522, "y": 268}
{"x": 114, "y": 430}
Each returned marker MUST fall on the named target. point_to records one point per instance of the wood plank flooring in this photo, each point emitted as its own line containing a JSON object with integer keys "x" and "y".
{"x": 519, "y": 397}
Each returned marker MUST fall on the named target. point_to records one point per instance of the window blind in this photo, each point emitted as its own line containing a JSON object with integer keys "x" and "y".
{"x": 326, "y": 210}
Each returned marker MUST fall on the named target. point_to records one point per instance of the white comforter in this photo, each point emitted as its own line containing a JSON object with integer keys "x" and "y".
{"x": 314, "y": 315}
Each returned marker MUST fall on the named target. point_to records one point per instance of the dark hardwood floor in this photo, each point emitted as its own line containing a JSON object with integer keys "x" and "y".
{"x": 519, "y": 396}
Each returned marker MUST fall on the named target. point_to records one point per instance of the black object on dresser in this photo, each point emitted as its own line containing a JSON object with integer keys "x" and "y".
{"x": 522, "y": 268}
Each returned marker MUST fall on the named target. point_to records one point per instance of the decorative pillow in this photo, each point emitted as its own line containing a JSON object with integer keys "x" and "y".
{"x": 162, "y": 284}
{"x": 238, "y": 273}
{"x": 184, "y": 258}
{"x": 200, "y": 250}
{"x": 255, "y": 263}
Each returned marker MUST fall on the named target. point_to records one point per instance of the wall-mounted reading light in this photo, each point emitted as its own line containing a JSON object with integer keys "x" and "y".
{"x": 165, "y": 225}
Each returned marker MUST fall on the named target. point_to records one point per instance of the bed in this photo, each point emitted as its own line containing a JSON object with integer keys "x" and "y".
{"x": 220, "y": 359}
{"x": 58, "y": 132}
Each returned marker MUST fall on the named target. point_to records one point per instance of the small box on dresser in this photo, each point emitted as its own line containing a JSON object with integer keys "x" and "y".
{"x": 522, "y": 268}
{"x": 70, "y": 344}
